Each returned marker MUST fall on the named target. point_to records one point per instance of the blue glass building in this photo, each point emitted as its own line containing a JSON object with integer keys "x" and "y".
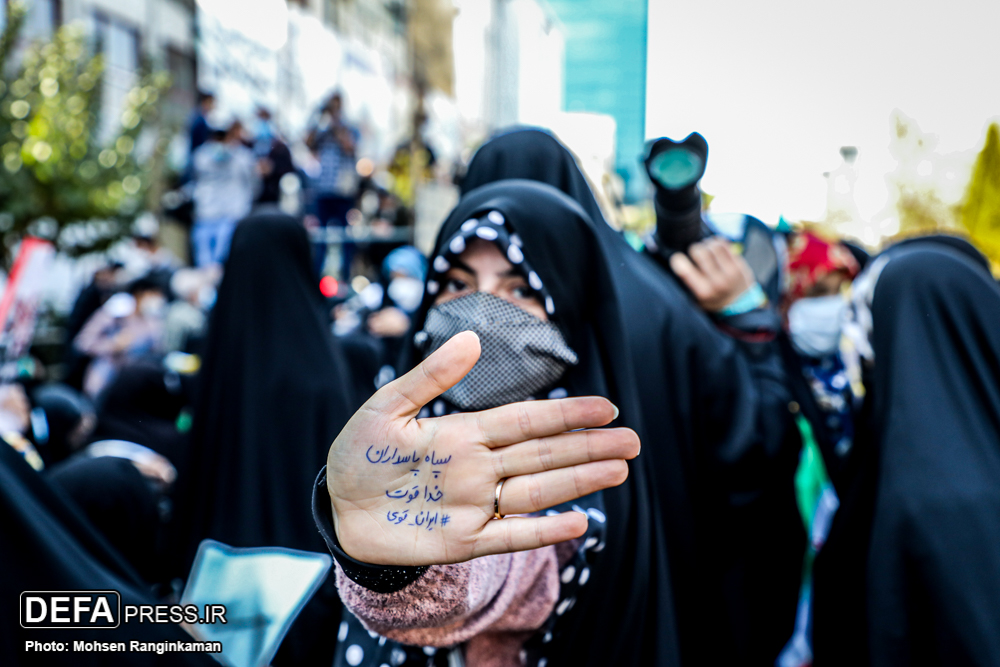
{"x": 606, "y": 73}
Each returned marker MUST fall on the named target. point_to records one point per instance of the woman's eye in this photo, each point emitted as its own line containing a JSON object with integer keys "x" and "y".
{"x": 454, "y": 285}
{"x": 523, "y": 292}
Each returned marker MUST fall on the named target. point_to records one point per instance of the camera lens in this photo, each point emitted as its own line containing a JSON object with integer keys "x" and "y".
{"x": 676, "y": 168}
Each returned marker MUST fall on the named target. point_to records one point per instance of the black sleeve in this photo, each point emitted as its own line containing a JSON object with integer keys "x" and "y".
{"x": 378, "y": 578}
{"x": 760, "y": 325}
{"x": 742, "y": 406}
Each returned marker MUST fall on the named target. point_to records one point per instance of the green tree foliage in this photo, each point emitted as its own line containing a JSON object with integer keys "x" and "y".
{"x": 980, "y": 213}
{"x": 61, "y": 176}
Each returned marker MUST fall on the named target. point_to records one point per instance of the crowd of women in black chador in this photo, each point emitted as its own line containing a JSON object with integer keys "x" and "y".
{"x": 796, "y": 500}
{"x": 754, "y": 434}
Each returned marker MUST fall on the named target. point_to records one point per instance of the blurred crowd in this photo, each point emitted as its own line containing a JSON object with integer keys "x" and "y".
{"x": 235, "y": 167}
{"x": 200, "y": 401}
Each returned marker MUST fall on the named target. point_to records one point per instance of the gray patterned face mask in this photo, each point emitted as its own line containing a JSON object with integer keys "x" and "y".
{"x": 521, "y": 354}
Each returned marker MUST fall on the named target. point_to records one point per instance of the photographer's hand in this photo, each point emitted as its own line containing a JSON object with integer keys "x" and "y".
{"x": 421, "y": 492}
{"x": 715, "y": 274}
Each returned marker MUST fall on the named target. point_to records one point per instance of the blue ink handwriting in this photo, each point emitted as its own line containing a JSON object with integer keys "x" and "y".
{"x": 428, "y": 520}
{"x": 431, "y": 458}
{"x": 410, "y": 495}
{"x": 385, "y": 456}
{"x": 397, "y": 517}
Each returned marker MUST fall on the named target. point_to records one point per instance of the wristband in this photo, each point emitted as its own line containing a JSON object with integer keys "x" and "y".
{"x": 751, "y": 299}
{"x": 377, "y": 578}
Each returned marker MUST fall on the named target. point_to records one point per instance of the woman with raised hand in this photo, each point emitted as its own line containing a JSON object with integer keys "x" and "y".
{"x": 418, "y": 489}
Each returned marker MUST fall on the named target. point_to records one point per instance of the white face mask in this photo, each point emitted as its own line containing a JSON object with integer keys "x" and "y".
{"x": 816, "y": 323}
{"x": 406, "y": 293}
{"x": 153, "y": 306}
{"x": 120, "y": 305}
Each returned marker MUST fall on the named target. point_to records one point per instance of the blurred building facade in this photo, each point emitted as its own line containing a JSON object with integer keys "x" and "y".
{"x": 606, "y": 74}
{"x": 511, "y": 67}
{"x": 286, "y": 55}
{"x": 290, "y": 56}
{"x": 128, "y": 32}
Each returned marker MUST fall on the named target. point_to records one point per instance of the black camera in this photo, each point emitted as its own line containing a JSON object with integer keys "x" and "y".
{"x": 675, "y": 168}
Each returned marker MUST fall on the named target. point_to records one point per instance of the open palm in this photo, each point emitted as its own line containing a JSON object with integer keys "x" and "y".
{"x": 421, "y": 492}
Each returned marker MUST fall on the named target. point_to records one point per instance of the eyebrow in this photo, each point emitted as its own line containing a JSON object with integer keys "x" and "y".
{"x": 456, "y": 263}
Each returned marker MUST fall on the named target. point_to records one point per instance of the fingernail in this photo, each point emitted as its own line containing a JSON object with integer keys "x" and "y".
{"x": 616, "y": 412}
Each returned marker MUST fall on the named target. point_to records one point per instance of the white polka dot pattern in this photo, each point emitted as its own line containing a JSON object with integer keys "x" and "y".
{"x": 359, "y": 647}
{"x": 487, "y": 233}
{"x": 564, "y": 606}
{"x": 355, "y": 654}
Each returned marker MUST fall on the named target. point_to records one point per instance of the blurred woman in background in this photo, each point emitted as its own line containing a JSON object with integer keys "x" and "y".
{"x": 910, "y": 572}
{"x": 55, "y": 547}
{"x": 62, "y": 419}
{"x": 127, "y": 327}
{"x": 814, "y": 311}
{"x": 274, "y": 392}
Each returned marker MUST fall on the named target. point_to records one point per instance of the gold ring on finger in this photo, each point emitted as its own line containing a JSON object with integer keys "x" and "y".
{"x": 496, "y": 499}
